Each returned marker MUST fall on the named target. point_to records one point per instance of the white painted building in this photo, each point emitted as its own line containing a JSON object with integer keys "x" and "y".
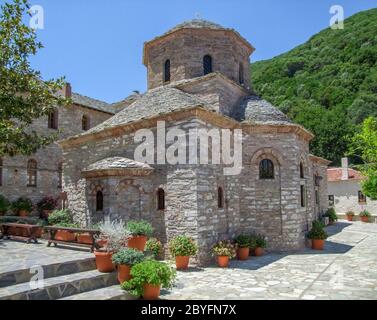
{"x": 344, "y": 188}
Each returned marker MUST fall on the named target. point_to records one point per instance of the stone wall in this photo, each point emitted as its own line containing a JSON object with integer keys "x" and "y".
{"x": 14, "y": 180}
{"x": 346, "y": 197}
{"x": 269, "y": 207}
{"x": 185, "y": 50}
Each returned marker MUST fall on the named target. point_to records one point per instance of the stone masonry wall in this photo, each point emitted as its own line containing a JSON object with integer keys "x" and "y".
{"x": 186, "y": 50}
{"x": 14, "y": 182}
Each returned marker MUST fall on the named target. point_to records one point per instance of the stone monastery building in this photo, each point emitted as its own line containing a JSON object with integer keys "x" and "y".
{"x": 198, "y": 78}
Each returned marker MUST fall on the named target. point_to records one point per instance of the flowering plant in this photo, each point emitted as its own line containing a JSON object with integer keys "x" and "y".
{"x": 224, "y": 248}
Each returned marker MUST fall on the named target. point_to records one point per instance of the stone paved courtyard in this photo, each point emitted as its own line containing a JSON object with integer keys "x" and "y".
{"x": 346, "y": 269}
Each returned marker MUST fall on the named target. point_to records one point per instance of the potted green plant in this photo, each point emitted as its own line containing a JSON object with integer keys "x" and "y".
{"x": 113, "y": 234}
{"x": 154, "y": 247}
{"x": 4, "y": 205}
{"x": 318, "y": 235}
{"x": 139, "y": 232}
{"x": 181, "y": 248}
{"x": 260, "y": 245}
{"x": 224, "y": 250}
{"x": 331, "y": 214}
{"x": 124, "y": 259}
{"x": 63, "y": 219}
{"x": 147, "y": 279}
{"x": 243, "y": 246}
{"x": 22, "y": 206}
{"x": 365, "y": 215}
{"x": 46, "y": 205}
{"x": 350, "y": 214}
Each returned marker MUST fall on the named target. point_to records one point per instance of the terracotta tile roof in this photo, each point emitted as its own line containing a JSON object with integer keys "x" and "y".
{"x": 335, "y": 174}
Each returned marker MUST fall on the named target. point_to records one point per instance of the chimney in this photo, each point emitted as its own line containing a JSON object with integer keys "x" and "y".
{"x": 67, "y": 90}
{"x": 345, "y": 169}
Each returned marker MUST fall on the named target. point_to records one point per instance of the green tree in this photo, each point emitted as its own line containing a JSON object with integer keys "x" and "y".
{"x": 24, "y": 96}
{"x": 364, "y": 144}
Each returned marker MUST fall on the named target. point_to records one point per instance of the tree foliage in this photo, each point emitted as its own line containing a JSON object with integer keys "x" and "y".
{"x": 328, "y": 84}
{"x": 24, "y": 96}
{"x": 364, "y": 145}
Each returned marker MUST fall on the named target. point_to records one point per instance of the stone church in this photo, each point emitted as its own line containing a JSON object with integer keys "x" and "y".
{"x": 199, "y": 78}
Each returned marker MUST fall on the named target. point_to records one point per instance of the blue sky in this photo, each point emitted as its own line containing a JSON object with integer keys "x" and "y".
{"x": 98, "y": 44}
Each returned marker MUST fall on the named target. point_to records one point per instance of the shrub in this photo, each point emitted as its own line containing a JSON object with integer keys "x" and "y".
{"x": 242, "y": 241}
{"x": 260, "y": 241}
{"x": 149, "y": 272}
{"x": 47, "y": 203}
{"x": 317, "y": 232}
{"x": 128, "y": 256}
{"x": 4, "y": 204}
{"x": 139, "y": 228}
{"x": 224, "y": 248}
{"x": 154, "y": 246}
{"x": 182, "y": 246}
{"x": 22, "y": 220}
{"x": 22, "y": 203}
{"x": 331, "y": 214}
{"x": 365, "y": 213}
{"x": 114, "y": 234}
{"x": 60, "y": 217}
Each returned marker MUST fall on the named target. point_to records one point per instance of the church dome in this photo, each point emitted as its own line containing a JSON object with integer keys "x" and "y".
{"x": 196, "y": 48}
{"x": 197, "y": 24}
{"x": 257, "y": 110}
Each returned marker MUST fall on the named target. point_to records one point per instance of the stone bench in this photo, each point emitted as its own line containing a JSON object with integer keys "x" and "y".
{"x": 88, "y": 233}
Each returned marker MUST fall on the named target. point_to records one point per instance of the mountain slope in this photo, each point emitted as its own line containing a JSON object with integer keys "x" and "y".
{"x": 328, "y": 84}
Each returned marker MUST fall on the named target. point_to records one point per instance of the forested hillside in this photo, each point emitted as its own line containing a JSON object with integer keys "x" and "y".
{"x": 328, "y": 84}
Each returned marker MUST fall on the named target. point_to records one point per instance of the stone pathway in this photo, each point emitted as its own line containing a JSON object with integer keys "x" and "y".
{"x": 346, "y": 269}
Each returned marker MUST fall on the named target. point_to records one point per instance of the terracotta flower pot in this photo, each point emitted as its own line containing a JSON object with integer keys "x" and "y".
{"x": 151, "y": 292}
{"x": 251, "y": 251}
{"x": 62, "y": 235}
{"x": 137, "y": 242}
{"x": 259, "y": 252}
{"x": 364, "y": 219}
{"x": 23, "y": 213}
{"x": 104, "y": 262}
{"x": 318, "y": 244}
{"x": 349, "y": 218}
{"x": 182, "y": 262}
{"x": 85, "y": 238}
{"x": 124, "y": 273}
{"x": 39, "y": 232}
{"x": 243, "y": 253}
{"x": 223, "y": 261}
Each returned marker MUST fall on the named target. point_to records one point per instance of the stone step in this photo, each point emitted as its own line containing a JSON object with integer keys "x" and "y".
{"x": 109, "y": 293}
{"x": 60, "y": 287}
{"x": 51, "y": 270}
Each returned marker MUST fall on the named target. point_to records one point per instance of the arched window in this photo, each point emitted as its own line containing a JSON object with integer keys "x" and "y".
{"x": 241, "y": 74}
{"x": 85, "y": 123}
{"x": 266, "y": 169}
{"x": 60, "y": 174}
{"x": 1, "y": 172}
{"x": 220, "y": 198}
{"x": 99, "y": 201}
{"x": 303, "y": 196}
{"x": 302, "y": 172}
{"x": 53, "y": 119}
{"x": 207, "y": 64}
{"x": 32, "y": 173}
{"x": 160, "y": 199}
{"x": 167, "y": 71}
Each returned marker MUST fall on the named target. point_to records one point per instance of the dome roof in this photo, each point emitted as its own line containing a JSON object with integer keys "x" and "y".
{"x": 256, "y": 110}
{"x": 197, "y": 24}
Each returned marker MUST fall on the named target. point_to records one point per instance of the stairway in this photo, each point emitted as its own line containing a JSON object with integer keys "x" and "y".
{"x": 70, "y": 280}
